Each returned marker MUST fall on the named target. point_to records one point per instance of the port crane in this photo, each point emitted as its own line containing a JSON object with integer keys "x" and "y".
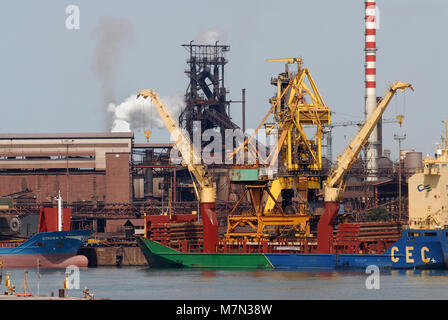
{"x": 333, "y": 186}
{"x": 207, "y": 190}
{"x": 292, "y": 112}
{"x": 293, "y": 165}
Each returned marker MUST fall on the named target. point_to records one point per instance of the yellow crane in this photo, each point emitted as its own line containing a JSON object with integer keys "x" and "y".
{"x": 207, "y": 190}
{"x": 297, "y": 105}
{"x": 333, "y": 187}
{"x": 291, "y": 112}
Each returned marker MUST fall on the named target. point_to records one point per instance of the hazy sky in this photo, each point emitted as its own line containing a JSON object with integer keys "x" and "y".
{"x": 50, "y": 81}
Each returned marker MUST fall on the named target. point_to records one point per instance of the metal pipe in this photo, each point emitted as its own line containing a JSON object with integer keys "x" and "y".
{"x": 399, "y": 138}
{"x": 174, "y": 185}
{"x": 149, "y": 180}
{"x": 244, "y": 109}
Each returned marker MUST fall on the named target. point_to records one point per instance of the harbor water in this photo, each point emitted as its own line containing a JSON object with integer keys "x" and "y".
{"x": 141, "y": 283}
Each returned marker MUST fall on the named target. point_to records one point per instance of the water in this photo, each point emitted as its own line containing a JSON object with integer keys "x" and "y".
{"x": 139, "y": 283}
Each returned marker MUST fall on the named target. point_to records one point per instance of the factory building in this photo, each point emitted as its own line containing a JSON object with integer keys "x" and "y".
{"x": 85, "y": 167}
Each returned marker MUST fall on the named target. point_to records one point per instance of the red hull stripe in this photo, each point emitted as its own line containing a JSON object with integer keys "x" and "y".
{"x": 62, "y": 260}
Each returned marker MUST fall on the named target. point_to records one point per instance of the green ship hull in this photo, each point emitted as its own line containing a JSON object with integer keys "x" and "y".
{"x": 160, "y": 256}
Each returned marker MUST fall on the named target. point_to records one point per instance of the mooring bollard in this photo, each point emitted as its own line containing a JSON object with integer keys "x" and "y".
{"x": 9, "y": 287}
{"x": 65, "y": 285}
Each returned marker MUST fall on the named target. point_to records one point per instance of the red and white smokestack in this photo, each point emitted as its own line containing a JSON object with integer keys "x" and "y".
{"x": 370, "y": 83}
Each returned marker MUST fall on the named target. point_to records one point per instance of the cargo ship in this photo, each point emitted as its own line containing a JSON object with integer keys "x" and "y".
{"x": 57, "y": 249}
{"x": 53, "y": 246}
{"x": 422, "y": 249}
{"x": 420, "y": 244}
{"x": 405, "y": 249}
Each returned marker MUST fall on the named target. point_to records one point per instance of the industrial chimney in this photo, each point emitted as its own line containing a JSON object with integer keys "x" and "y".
{"x": 370, "y": 83}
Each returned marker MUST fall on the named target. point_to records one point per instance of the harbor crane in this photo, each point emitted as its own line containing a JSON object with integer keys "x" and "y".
{"x": 293, "y": 166}
{"x": 207, "y": 190}
{"x": 333, "y": 186}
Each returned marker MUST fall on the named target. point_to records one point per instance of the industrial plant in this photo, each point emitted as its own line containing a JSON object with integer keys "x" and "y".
{"x": 263, "y": 193}
{"x": 110, "y": 182}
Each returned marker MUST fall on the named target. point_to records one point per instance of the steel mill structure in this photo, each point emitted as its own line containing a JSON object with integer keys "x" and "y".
{"x": 205, "y": 98}
{"x": 110, "y": 182}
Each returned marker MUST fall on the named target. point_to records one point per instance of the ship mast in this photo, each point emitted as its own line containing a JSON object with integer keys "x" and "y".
{"x": 59, "y": 199}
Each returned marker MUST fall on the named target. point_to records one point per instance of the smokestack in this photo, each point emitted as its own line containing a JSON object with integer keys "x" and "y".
{"x": 113, "y": 36}
{"x": 370, "y": 83}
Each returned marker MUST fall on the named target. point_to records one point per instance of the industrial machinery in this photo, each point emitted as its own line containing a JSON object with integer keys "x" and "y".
{"x": 296, "y": 159}
{"x": 299, "y": 155}
{"x": 207, "y": 192}
{"x": 333, "y": 187}
{"x": 257, "y": 225}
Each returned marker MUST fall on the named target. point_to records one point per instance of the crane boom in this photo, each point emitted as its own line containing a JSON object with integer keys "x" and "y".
{"x": 182, "y": 141}
{"x": 207, "y": 190}
{"x": 332, "y": 187}
{"x": 346, "y": 160}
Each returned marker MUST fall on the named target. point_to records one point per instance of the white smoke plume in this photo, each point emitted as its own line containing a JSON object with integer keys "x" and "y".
{"x": 113, "y": 36}
{"x": 133, "y": 113}
{"x": 210, "y": 36}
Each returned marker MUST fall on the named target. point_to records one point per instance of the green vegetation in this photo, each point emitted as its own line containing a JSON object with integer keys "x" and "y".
{"x": 378, "y": 214}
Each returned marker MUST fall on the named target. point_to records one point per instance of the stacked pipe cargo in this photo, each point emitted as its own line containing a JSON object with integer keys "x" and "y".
{"x": 377, "y": 236}
{"x": 181, "y": 231}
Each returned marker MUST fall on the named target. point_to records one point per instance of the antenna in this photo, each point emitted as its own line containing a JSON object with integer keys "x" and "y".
{"x": 445, "y": 139}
